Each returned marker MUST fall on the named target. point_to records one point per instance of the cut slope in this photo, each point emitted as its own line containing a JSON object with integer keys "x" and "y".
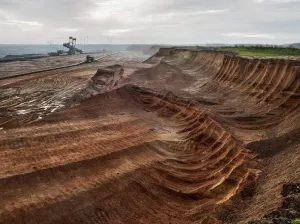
{"x": 170, "y": 162}
{"x": 163, "y": 52}
{"x": 256, "y": 99}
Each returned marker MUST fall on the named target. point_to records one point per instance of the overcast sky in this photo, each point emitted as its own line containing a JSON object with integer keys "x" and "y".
{"x": 150, "y": 21}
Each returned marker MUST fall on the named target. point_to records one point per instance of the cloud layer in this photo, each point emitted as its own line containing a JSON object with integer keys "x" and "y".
{"x": 148, "y": 21}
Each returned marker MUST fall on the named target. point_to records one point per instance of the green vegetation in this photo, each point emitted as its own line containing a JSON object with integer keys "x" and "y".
{"x": 296, "y": 221}
{"x": 263, "y": 51}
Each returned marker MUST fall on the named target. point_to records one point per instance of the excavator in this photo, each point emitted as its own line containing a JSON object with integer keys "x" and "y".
{"x": 71, "y": 45}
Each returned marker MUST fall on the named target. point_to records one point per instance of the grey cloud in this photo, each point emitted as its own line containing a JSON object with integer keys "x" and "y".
{"x": 148, "y": 21}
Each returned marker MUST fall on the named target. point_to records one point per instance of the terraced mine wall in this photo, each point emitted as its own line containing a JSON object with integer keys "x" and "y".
{"x": 270, "y": 87}
{"x": 271, "y": 83}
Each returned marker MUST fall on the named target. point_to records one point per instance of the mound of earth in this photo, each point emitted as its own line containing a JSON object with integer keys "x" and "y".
{"x": 105, "y": 79}
{"x": 156, "y": 58}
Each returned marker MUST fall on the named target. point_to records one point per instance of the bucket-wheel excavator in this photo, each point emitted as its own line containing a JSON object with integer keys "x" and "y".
{"x": 71, "y": 45}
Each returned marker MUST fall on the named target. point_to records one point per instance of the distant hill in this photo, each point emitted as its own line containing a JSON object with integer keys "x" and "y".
{"x": 145, "y": 48}
{"x": 138, "y": 47}
{"x": 216, "y": 45}
{"x": 296, "y": 45}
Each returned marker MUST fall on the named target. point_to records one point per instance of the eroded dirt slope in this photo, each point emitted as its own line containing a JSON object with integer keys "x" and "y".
{"x": 187, "y": 137}
{"x": 136, "y": 154}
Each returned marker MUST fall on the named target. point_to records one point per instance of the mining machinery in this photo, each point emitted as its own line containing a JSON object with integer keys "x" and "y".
{"x": 71, "y": 45}
{"x": 90, "y": 59}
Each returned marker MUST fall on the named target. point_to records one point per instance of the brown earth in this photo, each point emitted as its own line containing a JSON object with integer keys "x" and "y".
{"x": 290, "y": 209}
{"x": 186, "y": 137}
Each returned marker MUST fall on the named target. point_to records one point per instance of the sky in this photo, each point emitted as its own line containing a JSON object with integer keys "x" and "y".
{"x": 173, "y": 22}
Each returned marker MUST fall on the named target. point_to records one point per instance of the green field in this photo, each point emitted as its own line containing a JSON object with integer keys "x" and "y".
{"x": 262, "y": 51}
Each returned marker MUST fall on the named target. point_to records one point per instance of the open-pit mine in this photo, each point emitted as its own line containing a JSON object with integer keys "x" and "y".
{"x": 185, "y": 136}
